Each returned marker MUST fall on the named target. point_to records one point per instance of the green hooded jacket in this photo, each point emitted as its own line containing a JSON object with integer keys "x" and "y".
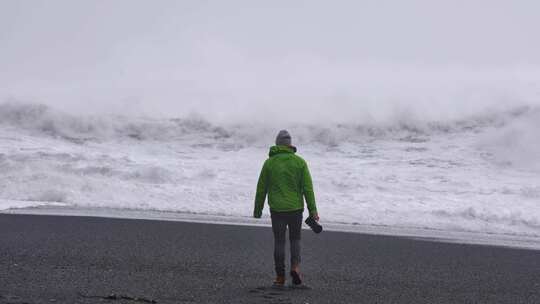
{"x": 285, "y": 178}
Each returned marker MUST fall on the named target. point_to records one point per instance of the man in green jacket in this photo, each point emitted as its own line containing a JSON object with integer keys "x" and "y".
{"x": 286, "y": 179}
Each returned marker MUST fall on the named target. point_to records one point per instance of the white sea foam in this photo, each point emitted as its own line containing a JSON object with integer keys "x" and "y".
{"x": 516, "y": 144}
{"x": 477, "y": 173}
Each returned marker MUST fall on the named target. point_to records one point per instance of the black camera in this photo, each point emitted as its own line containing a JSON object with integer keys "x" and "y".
{"x": 313, "y": 224}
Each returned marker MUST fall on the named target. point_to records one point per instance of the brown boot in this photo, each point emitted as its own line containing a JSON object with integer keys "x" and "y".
{"x": 279, "y": 281}
{"x": 296, "y": 278}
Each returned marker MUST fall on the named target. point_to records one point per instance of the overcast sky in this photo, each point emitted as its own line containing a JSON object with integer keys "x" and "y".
{"x": 181, "y": 56}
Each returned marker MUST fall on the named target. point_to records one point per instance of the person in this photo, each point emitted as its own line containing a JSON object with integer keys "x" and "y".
{"x": 285, "y": 178}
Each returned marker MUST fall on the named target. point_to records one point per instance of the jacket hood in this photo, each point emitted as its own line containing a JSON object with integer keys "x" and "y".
{"x": 274, "y": 150}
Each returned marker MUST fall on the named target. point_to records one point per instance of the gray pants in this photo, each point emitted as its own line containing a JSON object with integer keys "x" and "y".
{"x": 280, "y": 222}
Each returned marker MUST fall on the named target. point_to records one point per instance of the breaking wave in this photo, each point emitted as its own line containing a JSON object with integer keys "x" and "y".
{"x": 505, "y": 137}
{"x": 41, "y": 119}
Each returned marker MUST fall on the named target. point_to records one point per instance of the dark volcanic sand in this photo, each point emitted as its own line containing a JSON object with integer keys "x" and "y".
{"x": 53, "y": 259}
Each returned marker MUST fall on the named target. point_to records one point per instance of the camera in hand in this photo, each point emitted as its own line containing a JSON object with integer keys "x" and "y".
{"x": 313, "y": 224}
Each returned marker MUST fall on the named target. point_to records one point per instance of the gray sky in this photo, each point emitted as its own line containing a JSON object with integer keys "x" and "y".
{"x": 217, "y": 57}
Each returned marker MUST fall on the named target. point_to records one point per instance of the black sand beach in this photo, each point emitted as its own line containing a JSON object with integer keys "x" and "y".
{"x": 53, "y": 259}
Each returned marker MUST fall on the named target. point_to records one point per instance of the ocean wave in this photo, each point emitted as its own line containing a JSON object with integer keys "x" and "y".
{"x": 43, "y": 120}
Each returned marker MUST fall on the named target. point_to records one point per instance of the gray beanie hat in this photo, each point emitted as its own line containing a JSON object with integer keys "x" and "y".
{"x": 283, "y": 138}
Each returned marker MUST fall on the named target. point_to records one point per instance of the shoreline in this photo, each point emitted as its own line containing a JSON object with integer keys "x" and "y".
{"x": 68, "y": 259}
{"x": 446, "y": 236}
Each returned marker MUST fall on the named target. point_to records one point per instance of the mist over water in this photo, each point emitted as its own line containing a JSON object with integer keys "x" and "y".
{"x": 279, "y": 63}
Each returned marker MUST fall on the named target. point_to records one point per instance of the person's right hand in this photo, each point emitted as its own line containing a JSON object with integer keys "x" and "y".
{"x": 315, "y": 216}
